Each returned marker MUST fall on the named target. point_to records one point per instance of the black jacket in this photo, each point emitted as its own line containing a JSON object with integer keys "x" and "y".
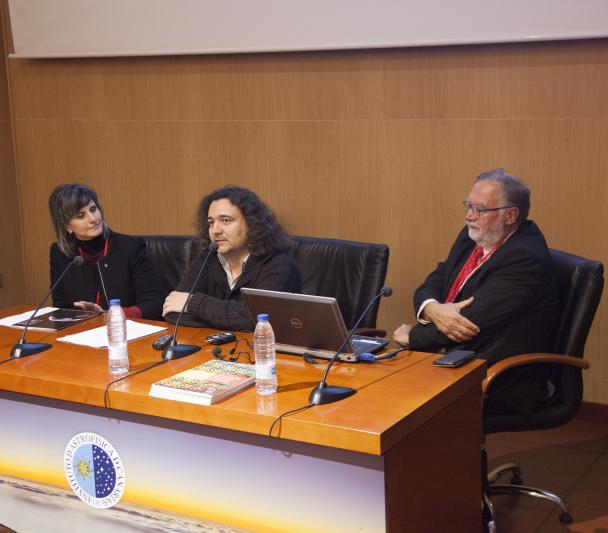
{"x": 214, "y": 304}
{"x": 516, "y": 302}
{"x": 127, "y": 272}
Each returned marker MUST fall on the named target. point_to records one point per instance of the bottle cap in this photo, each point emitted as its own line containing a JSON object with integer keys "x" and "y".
{"x": 115, "y": 301}
{"x": 263, "y": 317}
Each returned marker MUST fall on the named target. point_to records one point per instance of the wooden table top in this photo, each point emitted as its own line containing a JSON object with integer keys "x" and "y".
{"x": 394, "y": 397}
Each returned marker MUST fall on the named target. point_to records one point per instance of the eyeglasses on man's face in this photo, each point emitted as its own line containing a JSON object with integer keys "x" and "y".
{"x": 479, "y": 211}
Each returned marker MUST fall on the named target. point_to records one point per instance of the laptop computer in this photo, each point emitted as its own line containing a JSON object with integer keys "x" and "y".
{"x": 305, "y": 323}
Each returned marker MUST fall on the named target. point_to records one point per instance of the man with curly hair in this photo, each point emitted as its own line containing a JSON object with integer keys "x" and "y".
{"x": 252, "y": 251}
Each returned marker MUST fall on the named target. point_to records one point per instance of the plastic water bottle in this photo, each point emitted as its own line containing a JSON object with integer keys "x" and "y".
{"x": 118, "y": 354}
{"x": 265, "y": 357}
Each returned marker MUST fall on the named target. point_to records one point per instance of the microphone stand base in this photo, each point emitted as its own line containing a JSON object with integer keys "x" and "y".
{"x": 29, "y": 348}
{"x": 329, "y": 394}
{"x": 179, "y": 350}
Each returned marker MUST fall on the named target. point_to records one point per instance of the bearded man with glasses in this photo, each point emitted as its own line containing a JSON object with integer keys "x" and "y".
{"x": 496, "y": 293}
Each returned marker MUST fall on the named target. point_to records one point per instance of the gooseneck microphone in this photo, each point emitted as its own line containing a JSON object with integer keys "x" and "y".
{"x": 324, "y": 393}
{"x": 174, "y": 350}
{"x": 22, "y": 348}
{"x": 103, "y": 285}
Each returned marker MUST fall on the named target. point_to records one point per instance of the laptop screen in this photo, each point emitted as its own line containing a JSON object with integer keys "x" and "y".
{"x": 301, "y": 322}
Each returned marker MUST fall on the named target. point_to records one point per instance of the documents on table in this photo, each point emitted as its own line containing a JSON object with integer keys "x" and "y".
{"x": 10, "y": 320}
{"x": 98, "y": 337}
{"x": 56, "y": 320}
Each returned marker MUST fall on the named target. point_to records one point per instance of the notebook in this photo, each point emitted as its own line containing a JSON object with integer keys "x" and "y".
{"x": 305, "y": 323}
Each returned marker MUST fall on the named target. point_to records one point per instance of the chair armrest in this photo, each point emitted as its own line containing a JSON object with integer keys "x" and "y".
{"x": 526, "y": 359}
{"x": 371, "y": 332}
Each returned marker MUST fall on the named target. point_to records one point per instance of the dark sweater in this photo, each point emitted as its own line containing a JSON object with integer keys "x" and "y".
{"x": 127, "y": 272}
{"x": 214, "y": 304}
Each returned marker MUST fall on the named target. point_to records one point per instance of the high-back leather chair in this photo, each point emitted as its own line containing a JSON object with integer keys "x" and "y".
{"x": 352, "y": 272}
{"x": 170, "y": 255}
{"x": 581, "y": 282}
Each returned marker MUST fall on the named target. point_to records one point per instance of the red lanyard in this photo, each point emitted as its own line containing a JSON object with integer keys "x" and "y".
{"x": 96, "y": 257}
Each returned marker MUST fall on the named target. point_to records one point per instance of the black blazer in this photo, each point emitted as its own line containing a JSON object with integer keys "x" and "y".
{"x": 516, "y": 301}
{"x": 127, "y": 272}
{"x": 214, "y": 304}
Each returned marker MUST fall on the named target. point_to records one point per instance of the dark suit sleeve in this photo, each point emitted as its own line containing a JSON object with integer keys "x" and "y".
{"x": 510, "y": 287}
{"x": 148, "y": 294}
{"x": 432, "y": 288}
{"x": 58, "y": 262}
{"x": 279, "y": 273}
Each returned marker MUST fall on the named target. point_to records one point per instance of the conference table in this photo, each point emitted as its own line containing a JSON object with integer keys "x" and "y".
{"x": 402, "y": 454}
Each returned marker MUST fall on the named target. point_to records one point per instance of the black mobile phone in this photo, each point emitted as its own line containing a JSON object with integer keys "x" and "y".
{"x": 455, "y": 358}
{"x": 221, "y": 338}
{"x": 162, "y": 342}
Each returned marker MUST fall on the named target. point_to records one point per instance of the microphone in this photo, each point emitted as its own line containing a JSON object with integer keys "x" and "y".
{"x": 174, "y": 350}
{"x": 22, "y": 348}
{"x": 324, "y": 393}
{"x": 103, "y": 285}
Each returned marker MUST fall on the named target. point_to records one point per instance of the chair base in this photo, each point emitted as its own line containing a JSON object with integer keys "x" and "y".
{"x": 565, "y": 517}
{"x": 488, "y": 516}
{"x": 516, "y": 478}
{"x": 517, "y": 487}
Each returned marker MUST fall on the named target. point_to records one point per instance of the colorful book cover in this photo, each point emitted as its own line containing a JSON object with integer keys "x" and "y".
{"x": 206, "y": 383}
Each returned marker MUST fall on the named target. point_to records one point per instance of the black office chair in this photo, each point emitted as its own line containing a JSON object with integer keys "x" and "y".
{"x": 581, "y": 283}
{"x": 352, "y": 272}
{"x": 170, "y": 255}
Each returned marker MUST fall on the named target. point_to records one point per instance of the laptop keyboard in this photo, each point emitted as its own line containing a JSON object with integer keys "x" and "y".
{"x": 362, "y": 345}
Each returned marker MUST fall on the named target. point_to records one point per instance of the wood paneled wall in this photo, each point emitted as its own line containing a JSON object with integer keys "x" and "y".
{"x": 367, "y": 145}
{"x": 11, "y": 257}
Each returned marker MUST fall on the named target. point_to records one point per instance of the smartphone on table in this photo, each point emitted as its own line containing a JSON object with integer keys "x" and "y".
{"x": 455, "y": 358}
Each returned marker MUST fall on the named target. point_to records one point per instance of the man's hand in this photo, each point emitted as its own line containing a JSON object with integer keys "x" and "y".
{"x": 88, "y": 306}
{"x": 402, "y": 334}
{"x": 174, "y": 302}
{"x": 450, "y": 322}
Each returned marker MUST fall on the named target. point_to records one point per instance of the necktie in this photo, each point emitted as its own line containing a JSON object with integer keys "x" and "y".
{"x": 469, "y": 266}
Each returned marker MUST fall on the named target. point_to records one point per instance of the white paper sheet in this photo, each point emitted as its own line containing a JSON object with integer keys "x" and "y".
{"x": 10, "y": 320}
{"x": 98, "y": 337}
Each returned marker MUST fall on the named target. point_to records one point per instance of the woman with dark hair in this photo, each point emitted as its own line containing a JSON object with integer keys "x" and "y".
{"x": 252, "y": 251}
{"x": 116, "y": 265}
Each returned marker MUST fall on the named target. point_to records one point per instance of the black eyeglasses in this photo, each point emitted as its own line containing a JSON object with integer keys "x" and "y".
{"x": 478, "y": 211}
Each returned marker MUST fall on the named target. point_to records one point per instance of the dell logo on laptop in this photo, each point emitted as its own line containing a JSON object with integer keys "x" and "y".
{"x": 296, "y": 323}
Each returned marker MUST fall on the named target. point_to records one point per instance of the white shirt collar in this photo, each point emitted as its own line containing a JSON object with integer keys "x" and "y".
{"x": 226, "y": 266}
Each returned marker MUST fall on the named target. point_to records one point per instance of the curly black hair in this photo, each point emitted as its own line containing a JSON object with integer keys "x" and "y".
{"x": 264, "y": 233}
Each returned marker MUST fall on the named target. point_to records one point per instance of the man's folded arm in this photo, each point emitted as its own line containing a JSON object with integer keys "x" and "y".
{"x": 507, "y": 293}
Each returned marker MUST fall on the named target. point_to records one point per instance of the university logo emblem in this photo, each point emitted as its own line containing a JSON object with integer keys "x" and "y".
{"x": 94, "y": 470}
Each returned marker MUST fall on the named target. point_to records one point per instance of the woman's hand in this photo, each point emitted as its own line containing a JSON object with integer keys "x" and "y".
{"x": 88, "y": 306}
{"x": 174, "y": 302}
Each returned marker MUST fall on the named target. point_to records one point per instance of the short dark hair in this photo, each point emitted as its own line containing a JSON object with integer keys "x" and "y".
{"x": 514, "y": 191}
{"x": 264, "y": 233}
{"x": 64, "y": 204}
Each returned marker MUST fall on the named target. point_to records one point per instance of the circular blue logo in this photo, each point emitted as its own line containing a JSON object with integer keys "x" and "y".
{"x": 94, "y": 470}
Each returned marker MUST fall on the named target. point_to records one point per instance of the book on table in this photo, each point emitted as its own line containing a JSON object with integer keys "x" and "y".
{"x": 207, "y": 383}
{"x": 57, "y": 319}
